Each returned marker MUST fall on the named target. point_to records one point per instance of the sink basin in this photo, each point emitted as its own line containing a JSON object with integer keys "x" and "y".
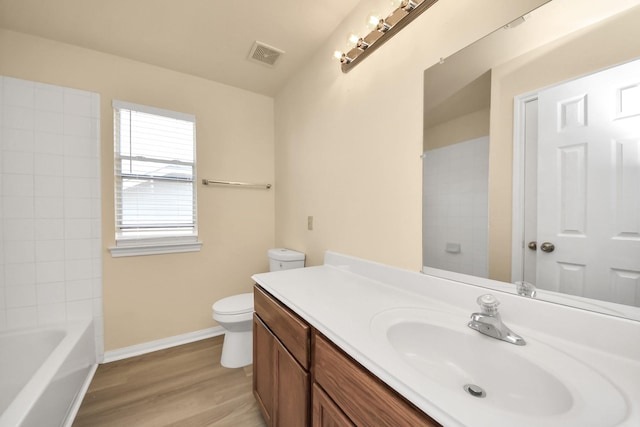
{"x": 529, "y": 383}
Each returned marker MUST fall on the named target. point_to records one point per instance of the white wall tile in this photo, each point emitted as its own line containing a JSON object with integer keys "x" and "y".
{"x": 20, "y": 296}
{"x": 50, "y": 191}
{"x": 52, "y": 313}
{"x": 49, "y": 122}
{"x": 19, "y": 251}
{"x": 18, "y": 229}
{"x": 78, "y": 289}
{"x": 49, "y": 164}
{"x": 49, "y": 229}
{"x": 49, "y": 208}
{"x": 48, "y": 186}
{"x": 17, "y": 140}
{"x": 49, "y": 98}
{"x": 455, "y": 204}
{"x": 77, "y": 207}
{"x": 77, "y": 229}
{"x": 78, "y": 187}
{"x": 26, "y": 317}
{"x": 18, "y": 207}
{"x": 17, "y": 162}
{"x": 50, "y": 250}
{"x": 78, "y": 269}
{"x": 75, "y": 249}
{"x": 82, "y": 309}
{"x": 50, "y": 293}
{"x": 18, "y": 118}
{"x": 19, "y": 93}
{"x": 80, "y": 126}
{"x": 50, "y": 143}
{"x": 49, "y": 272}
{"x": 77, "y": 102}
{"x": 79, "y": 167}
{"x": 19, "y": 274}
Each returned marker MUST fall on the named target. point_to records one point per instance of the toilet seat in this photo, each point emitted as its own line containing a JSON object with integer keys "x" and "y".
{"x": 235, "y": 304}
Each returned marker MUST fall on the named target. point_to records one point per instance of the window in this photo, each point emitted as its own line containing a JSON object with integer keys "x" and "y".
{"x": 155, "y": 192}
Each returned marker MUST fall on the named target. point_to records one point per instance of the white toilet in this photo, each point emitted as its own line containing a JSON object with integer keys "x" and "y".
{"x": 235, "y": 313}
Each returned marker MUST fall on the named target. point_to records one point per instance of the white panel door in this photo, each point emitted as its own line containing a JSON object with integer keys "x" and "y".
{"x": 589, "y": 186}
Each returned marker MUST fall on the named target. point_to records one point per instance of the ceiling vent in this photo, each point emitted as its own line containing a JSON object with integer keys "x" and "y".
{"x": 264, "y": 54}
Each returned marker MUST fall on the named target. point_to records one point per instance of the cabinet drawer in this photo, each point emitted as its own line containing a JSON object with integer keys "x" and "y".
{"x": 292, "y": 331}
{"x": 363, "y": 398}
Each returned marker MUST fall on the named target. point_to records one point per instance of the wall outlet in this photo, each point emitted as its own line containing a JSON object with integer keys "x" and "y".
{"x": 310, "y": 223}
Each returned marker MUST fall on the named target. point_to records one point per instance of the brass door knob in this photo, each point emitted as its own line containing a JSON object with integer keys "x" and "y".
{"x": 533, "y": 245}
{"x": 547, "y": 247}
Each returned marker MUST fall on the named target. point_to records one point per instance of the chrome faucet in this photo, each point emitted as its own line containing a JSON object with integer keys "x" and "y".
{"x": 489, "y": 322}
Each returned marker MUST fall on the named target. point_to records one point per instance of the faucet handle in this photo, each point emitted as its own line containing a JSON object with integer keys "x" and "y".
{"x": 526, "y": 289}
{"x": 489, "y": 304}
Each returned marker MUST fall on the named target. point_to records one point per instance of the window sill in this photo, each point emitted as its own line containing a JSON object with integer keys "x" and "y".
{"x": 157, "y": 249}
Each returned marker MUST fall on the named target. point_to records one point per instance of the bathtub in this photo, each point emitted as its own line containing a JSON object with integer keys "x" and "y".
{"x": 44, "y": 373}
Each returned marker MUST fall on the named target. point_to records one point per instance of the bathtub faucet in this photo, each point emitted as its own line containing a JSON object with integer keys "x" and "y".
{"x": 489, "y": 322}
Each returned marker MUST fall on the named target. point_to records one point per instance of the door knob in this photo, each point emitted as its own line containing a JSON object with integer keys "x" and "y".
{"x": 533, "y": 245}
{"x": 547, "y": 247}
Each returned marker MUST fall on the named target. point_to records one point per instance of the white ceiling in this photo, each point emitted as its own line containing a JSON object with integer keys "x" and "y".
{"x": 205, "y": 38}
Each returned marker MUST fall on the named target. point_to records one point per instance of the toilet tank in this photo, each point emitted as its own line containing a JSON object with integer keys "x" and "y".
{"x": 285, "y": 259}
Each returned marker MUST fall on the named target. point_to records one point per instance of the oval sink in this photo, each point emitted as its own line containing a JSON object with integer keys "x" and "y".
{"x": 526, "y": 384}
{"x": 455, "y": 359}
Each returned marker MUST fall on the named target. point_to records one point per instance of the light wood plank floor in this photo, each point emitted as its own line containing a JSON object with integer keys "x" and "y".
{"x": 180, "y": 386}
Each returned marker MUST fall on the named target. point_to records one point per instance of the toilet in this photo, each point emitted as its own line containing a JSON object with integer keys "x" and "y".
{"x": 235, "y": 313}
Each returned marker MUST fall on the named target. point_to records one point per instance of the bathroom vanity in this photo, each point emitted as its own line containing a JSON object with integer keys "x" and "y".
{"x": 354, "y": 342}
{"x": 289, "y": 356}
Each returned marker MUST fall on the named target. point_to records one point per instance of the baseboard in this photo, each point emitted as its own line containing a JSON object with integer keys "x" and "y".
{"x": 148, "y": 347}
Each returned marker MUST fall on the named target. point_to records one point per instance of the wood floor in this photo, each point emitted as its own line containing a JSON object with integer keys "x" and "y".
{"x": 180, "y": 386}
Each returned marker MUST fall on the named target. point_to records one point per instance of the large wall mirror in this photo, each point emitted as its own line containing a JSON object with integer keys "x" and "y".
{"x": 532, "y": 158}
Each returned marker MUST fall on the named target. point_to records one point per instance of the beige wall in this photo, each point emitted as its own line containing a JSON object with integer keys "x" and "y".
{"x": 348, "y": 153}
{"x": 153, "y": 297}
{"x": 463, "y": 128}
{"x": 348, "y": 146}
{"x": 610, "y": 42}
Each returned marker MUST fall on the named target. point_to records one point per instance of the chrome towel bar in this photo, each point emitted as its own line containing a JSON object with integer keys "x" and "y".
{"x": 237, "y": 184}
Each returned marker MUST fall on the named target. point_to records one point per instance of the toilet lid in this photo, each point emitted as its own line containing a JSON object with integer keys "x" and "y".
{"x": 235, "y": 304}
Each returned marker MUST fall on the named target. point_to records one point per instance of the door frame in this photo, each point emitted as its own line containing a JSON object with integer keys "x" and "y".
{"x": 518, "y": 183}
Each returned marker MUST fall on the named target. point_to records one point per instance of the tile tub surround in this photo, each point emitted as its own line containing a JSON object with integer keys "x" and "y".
{"x": 49, "y": 206}
{"x": 341, "y": 297}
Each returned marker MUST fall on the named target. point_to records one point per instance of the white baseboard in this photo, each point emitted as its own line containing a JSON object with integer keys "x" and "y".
{"x": 148, "y": 347}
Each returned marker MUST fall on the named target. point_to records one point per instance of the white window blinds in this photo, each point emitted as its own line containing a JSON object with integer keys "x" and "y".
{"x": 155, "y": 192}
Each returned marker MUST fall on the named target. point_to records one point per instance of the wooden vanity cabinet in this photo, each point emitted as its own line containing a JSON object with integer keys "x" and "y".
{"x": 361, "y": 396}
{"x": 281, "y": 358}
{"x": 325, "y": 411}
{"x": 302, "y": 379}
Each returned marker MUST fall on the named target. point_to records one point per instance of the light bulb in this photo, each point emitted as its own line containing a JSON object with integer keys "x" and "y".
{"x": 337, "y": 55}
{"x": 352, "y": 40}
{"x": 372, "y": 21}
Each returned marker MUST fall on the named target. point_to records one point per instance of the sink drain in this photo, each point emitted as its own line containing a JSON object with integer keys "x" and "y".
{"x": 474, "y": 390}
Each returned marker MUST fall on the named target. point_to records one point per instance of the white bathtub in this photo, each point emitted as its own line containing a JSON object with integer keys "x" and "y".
{"x": 42, "y": 372}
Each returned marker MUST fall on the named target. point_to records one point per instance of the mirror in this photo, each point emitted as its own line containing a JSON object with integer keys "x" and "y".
{"x": 479, "y": 212}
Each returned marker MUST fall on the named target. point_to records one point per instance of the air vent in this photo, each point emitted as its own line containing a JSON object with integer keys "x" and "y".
{"x": 264, "y": 54}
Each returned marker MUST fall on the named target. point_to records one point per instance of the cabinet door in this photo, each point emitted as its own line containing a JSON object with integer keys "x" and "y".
{"x": 264, "y": 375}
{"x": 325, "y": 412}
{"x": 365, "y": 399}
{"x": 292, "y": 395}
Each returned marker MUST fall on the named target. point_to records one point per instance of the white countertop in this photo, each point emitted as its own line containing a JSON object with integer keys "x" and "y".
{"x": 342, "y": 297}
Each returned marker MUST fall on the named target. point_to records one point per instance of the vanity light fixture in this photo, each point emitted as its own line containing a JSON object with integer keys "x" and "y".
{"x": 381, "y": 30}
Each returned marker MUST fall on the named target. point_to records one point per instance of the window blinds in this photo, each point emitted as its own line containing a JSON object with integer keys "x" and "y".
{"x": 155, "y": 193}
